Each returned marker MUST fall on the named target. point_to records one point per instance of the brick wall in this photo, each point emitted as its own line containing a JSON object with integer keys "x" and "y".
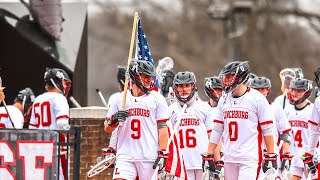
{"x": 93, "y": 139}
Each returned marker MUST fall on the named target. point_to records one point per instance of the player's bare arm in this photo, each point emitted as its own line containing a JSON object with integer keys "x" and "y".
{"x": 217, "y": 151}
{"x": 269, "y": 144}
{"x": 163, "y": 137}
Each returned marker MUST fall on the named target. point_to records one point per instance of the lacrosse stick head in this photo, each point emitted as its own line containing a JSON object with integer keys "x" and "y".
{"x": 164, "y": 64}
{"x": 102, "y": 165}
{"x": 270, "y": 174}
{"x": 207, "y": 175}
{"x": 163, "y": 175}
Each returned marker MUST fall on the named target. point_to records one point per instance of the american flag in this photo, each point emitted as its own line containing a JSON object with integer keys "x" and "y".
{"x": 175, "y": 164}
{"x": 143, "y": 51}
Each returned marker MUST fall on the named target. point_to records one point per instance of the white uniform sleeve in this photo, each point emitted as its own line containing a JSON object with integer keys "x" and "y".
{"x": 218, "y": 124}
{"x": 264, "y": 115}
{"x": 315, "y": 128}
{"x": 283, "y": 125}
{"x": 113, "y": 106}
{"x": 162, "y": 111}
{"x": 209, "y": 118}
{"x": 61, "y": 108}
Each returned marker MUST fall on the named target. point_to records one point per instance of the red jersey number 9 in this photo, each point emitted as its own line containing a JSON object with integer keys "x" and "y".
{"x": 136, "y": 128}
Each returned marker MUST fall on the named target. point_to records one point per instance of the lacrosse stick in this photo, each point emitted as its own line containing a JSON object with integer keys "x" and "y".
{"x": 74, "y": 101}
{"x": 5, "y": 105}
{"x": 175, "y": 130}
{"x": 102, "y": 165}
{"x": 102, "y": 98}
{"x": 125, "y": 90}
{"x": 164, "y": 64}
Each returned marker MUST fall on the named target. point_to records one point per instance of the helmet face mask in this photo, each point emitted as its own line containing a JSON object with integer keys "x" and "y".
{"x": 213, "y": 88}
{"x": 142, "y": 73}
{"x": 184, "y": 80}
{"x": 300, "y": 91}
{"x": 233, "y": 74}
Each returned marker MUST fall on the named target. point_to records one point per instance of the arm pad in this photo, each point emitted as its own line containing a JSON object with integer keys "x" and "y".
{"x": 285, "y": 137}
{"x": 162, "y": 125}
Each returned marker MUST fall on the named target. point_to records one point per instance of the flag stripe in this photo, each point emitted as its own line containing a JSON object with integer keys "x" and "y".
{"x": 175, "y": 164}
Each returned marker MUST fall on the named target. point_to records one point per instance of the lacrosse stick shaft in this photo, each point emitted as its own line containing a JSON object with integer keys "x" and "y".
{"x": 74, "y": 101}
{"x": 102, "y": 98}
{"x": 155, "y": 173}
{"x": 125, "y": 90}
{"x": 280, "y": 144}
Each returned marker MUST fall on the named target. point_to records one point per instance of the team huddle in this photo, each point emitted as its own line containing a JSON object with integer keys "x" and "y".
{"x": 236, "y": 134}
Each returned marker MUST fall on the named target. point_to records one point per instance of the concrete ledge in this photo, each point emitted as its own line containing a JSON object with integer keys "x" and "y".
{"x": 94, "y": 112}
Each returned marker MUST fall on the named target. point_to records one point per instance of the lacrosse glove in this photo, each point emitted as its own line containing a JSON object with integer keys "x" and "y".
{"x": 309, "y": 162}
{"x": 219, "y": 166}
{"x": 161, "y": 160}
{"x": 270, "y": 161}
{"x": 208, "y": 162}
{"x": 286, "y": 161}
{"x": 119, "y": 116}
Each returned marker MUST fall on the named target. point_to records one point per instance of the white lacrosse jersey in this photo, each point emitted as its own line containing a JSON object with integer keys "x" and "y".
{"x": 196, "y": 123}
{"x": 300, "y": 127}
{"x": 113, "y": 98}
{"x": 281, "y": 124}
{"x": 282, "y": 101}
{"x": 315, "y": 129}
{"x": 47, "y": 109}
{"x": 138, "y": 136}
{"x": 241, "y": 119}
{"x": 16, "y": 117}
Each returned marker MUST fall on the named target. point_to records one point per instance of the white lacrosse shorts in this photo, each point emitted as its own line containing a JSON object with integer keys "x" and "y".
{"x": 240, "y": 171}
{"x": 131, "y": 170}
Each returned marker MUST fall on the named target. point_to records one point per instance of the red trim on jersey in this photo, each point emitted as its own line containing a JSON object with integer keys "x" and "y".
{"x": 218, "y": 121}
{"x": 313, "y": 123}
{"x": 259, "y": 150}
{"x": 111, "y": 148}
{"x": 287, "y": 130}
{"x": 209, "y": 131}
{"x": 63, "y": 116}
{"x": 162, "y": 121}
{"x": 266, "y": 122}
{"x": 248, "y": 89}
{"x": 4, "y": 115}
